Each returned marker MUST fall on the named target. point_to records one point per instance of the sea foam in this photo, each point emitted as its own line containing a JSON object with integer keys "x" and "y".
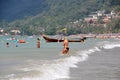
{"x": 110, "y": 46}
{"x": 55, "y": 69}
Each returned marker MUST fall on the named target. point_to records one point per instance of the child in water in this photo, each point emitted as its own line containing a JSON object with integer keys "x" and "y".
{"x": 7, "y": 44}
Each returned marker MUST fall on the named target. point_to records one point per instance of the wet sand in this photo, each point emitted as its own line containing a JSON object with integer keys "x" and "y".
{"x": 103, "y": 65}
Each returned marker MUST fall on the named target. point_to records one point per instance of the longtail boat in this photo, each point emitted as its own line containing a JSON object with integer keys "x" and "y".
{"x": 48, "y": 39}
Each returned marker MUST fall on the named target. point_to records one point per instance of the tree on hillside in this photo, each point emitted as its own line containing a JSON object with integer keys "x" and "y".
{"x": 114, "y": 26}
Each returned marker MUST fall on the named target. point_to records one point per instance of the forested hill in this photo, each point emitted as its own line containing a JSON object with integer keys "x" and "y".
{"x": 31, "y": 16}
{"x": 17, "y": 9}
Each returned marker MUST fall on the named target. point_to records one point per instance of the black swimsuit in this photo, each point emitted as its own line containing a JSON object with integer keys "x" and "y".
{"x": 67, "y": 48}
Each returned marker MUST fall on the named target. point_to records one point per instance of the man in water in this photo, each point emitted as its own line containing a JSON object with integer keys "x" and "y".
{"x": 38, "y": 43}
{"x": 66, "y": 48}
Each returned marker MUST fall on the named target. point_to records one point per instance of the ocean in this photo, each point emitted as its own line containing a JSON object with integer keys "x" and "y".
{"x": 95, "y": 59}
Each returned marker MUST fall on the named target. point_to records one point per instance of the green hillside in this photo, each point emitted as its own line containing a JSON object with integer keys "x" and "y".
{"x": 60, "y": 14}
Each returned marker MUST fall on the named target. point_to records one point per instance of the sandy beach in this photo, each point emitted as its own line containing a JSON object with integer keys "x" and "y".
{"x": 103, "y": 65}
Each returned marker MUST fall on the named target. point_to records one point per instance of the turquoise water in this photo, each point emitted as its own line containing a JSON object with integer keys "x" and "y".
{"x": 27, "y": 62}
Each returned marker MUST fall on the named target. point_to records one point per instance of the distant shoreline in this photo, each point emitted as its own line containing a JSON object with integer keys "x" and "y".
{"x": 101, "y": 36}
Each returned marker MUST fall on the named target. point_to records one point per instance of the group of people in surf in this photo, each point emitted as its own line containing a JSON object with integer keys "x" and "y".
{"x": 15, "y": 41}
{"x": 65, "y": 45}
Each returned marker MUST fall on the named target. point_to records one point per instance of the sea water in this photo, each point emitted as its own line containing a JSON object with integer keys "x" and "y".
{"x": 27, "y": 62}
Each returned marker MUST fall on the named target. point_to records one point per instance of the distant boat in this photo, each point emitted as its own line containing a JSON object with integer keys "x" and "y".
{"x": 48, "y": 39}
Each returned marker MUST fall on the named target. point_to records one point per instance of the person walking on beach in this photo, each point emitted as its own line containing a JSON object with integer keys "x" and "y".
{"x": 66, "y": 48}
{"x": 38, "y": 43}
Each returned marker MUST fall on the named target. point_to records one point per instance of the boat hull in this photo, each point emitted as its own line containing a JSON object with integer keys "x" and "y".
{"x": 48, "y": 39}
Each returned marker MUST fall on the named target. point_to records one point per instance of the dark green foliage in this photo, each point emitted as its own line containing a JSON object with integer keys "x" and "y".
{"x": 11, "y": 10}
{"x": 114, "y": 26}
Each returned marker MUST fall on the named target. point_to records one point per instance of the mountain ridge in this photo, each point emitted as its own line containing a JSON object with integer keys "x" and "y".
{"x": 18, "y": 9}
{"x": 55, "y": 14}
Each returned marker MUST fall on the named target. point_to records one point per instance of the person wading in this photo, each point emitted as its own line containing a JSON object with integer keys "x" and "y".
{"x": 66, "y": 47}
{"x": 38, "y": 43}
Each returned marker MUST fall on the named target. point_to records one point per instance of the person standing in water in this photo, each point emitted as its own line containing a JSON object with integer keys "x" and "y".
{"x": 38, "y": 43}
{"x": 7, "y": 44}
{"x": 66, "y": 47}
{"x": 16, "y": 42}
